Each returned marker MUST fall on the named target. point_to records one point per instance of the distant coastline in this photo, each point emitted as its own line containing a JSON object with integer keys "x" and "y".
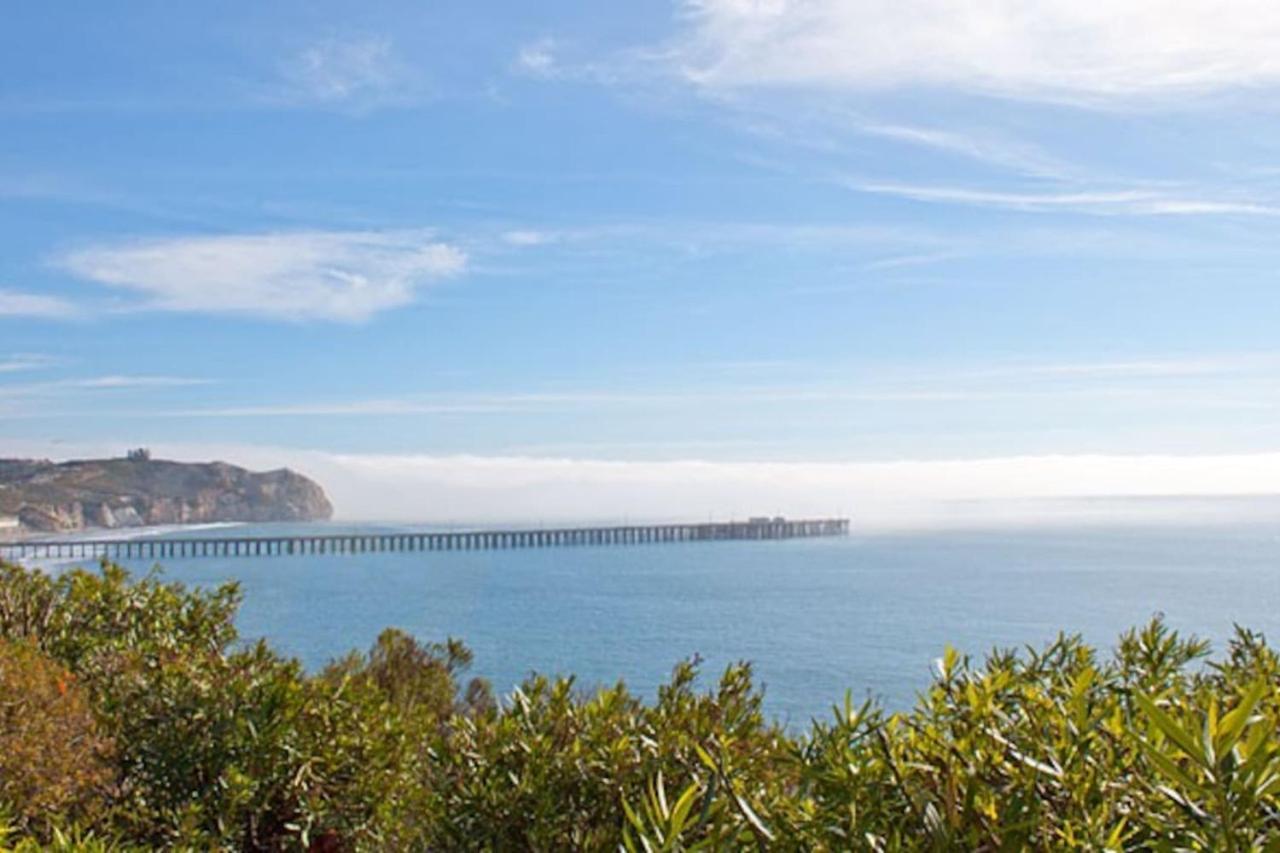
{"x": 41, "y": 497}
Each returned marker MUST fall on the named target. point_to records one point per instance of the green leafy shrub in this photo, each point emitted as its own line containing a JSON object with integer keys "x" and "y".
{"x": 203, "y": 742}
{"x": 215, "y": 746}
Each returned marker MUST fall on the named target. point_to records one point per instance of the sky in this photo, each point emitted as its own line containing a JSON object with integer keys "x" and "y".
{"x": 501, "y": 260}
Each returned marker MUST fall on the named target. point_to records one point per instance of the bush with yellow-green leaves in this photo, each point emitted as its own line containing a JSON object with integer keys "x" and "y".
{"x": 158, "y": 728}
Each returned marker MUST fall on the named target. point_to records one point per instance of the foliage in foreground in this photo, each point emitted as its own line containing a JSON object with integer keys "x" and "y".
{"x": 161, "y": 730}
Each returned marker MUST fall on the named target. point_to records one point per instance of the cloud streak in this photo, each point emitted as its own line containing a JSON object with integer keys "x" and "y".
{"x": 15, "y": 303}
{"x": 1226, "y": 380}
{"x": 982, "y": 148}
{"x": 119, "y": 381}
{"x": 342, "y": 276}
{"x": 32, "y": 400}
{"x": 66, "y": 387}
{"x": 1107, "y": 202}
{"x": 21, "y": 362}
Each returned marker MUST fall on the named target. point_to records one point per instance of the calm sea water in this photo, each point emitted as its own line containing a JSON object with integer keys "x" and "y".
{"x": 868, "y": 612}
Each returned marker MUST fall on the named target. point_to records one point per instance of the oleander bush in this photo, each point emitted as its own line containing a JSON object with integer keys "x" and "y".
{"x": 53, "y": 762}
{"x": 132, "y": 717}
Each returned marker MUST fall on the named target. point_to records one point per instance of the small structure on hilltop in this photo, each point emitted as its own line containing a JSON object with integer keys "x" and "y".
{"x": 139, "y": 454}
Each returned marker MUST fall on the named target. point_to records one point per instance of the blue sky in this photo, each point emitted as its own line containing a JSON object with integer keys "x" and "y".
{"x": 489, "y": 236}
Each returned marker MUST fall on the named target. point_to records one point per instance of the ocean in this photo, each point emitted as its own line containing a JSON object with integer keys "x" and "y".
{"x": 868, "y": 613}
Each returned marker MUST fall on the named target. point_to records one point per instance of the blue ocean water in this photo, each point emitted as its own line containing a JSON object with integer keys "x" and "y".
{"x": 869, "y": 612}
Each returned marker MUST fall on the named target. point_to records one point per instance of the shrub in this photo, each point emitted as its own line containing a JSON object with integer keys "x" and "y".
{"x": 163, "y": 730}
{"x": 415, "y": 678}
{"x": 86, "y": 620}
{"x": 53, "y": 761}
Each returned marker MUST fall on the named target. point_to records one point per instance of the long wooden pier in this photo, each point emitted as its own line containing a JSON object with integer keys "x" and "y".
{"x": 366, "y": 543}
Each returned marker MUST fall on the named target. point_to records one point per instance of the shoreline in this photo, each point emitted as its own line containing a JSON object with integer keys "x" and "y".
{"x": 116, "y": 533}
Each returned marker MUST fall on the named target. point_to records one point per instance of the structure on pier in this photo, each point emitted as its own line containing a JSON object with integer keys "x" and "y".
{"x": 364, "y": 543}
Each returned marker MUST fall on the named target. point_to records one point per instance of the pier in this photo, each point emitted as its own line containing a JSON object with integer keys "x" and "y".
{"x": 179, "y": 547}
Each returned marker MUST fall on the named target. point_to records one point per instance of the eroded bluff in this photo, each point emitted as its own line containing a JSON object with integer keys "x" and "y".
{"x": 49, "y": 496}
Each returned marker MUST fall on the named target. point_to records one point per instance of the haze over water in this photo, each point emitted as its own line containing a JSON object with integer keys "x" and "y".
{"x": 868, "y": 613}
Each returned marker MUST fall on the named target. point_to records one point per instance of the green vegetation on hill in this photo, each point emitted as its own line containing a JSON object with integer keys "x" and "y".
{"x": 155, "y": 727}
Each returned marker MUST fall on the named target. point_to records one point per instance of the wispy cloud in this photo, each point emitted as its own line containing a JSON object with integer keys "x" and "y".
{"x": 983, "y": 148}
{"x": 1140, "y": 368}
{"x": 550, "y": 59}
{"x": 1056, "y": 49}
{"x": 21, "y": 362}
{"x": 527, "y": 237}
{"x": 1140, "y": 202}
{"x": 1210, "y": 381}
{"x": 353, "y": 73}
{"x": 15, "y": 303}
{"x": 353, "y": 408}
{"x": 80, "y": 396}
{"x": 106, "y": 382}
{"x": 912, "y": 260}
{"x": 345, "y": 276}
{"x": 537, "y": 58}
{"x": 122, "y": 381}
{"x": 479, "y": 404}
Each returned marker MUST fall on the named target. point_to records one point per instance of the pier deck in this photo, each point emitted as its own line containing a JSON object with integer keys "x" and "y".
{"x": 178, "y": 547}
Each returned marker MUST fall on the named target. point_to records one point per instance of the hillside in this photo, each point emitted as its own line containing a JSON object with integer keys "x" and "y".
{"x": 49, "y": 497}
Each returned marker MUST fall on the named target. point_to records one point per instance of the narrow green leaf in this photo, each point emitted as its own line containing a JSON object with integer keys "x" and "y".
{"x": 1170, "y": 728}
{"x": 632, "y": 816}
{"x": 680, "y": 813}
{"x": 1233, "y": 724}
{"x": 1170, "y": 769}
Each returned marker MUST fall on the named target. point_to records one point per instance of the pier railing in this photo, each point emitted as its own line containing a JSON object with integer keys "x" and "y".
{"x": 372, "y": 542}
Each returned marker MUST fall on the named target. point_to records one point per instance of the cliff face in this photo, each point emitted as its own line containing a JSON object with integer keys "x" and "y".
{"x": 47, "y": 496}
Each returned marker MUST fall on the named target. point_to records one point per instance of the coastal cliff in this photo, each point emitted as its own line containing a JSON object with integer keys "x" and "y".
{"x": 46, "y": 496}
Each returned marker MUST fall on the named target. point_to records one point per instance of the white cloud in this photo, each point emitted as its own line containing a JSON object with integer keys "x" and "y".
{"x": 355, "y": 408}
{"x": 918, "y": 259}
{"x": 1145, "y": 368}
{"x": 14, "y": 303}
{"x": 545, "y": 58}
{"x": 1058, "y": 49}
{"x": 118, "y": 381}
{"x": 527, "y": 238}
{"x": 1196, "y": 207}
{"x": 537, "y": 58}
{"x": 71, "y": 388}
{"x": 1132, "y": 202}
{"x": 360, "y": 73}
{"x": 346, "y": 276}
